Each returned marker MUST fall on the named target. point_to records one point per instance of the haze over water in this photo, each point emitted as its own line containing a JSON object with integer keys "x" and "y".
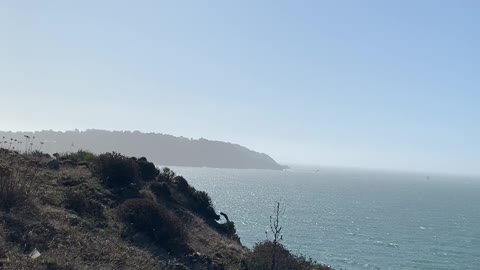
{"x": 354, "y": 219}
{"x": 390, "y": 84}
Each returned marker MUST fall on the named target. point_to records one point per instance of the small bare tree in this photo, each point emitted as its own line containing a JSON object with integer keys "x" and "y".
{"x": 276, "y": 230}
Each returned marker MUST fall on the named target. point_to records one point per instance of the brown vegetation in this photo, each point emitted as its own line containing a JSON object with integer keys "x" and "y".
{"x": 80, "y": 217}
{"x": 272, "y": 255}
{"x": 115, "y": 212}
{"x": 260, "y": 258}
{"x": 154, "y": 220}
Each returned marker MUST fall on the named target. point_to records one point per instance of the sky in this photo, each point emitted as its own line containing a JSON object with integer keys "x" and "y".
{"x": 368, "y": 84}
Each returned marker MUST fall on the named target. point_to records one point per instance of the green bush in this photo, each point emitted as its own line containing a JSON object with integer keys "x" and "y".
{"x": 261, "y": 258}
{"x": 157, "y": 222}
{"x": 79, "y": 156}
{"x": 116, "y": 169}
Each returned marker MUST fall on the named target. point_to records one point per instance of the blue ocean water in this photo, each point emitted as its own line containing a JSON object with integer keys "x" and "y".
{"x": 354, "y": 219}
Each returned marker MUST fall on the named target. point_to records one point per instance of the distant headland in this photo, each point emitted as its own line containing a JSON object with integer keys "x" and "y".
{"x": 163, "y": 149}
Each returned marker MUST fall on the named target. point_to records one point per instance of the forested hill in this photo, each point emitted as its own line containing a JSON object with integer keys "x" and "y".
{"x": 162, "y": 149}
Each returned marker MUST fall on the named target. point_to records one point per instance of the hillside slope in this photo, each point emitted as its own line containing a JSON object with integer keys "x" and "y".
{"x": 74, "y": 220}
{"x": 109, "y": 211}
{"x": 160, "y": 148}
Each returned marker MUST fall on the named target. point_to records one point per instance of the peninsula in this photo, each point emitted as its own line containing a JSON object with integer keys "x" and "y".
{"x": 162, "y": 149}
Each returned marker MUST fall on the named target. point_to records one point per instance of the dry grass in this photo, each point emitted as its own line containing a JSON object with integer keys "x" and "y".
{"x": 261, "y": 258}
{"x": 55, "y": 217}
{"x": 206, "y": 240}
{"x": 71, "y": 216}
{"x": 65, "y": 239}
{"x": 17, "y": 184}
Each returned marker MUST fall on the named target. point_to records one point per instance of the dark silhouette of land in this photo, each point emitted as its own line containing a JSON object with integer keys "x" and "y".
{"x": 162, "y": 149}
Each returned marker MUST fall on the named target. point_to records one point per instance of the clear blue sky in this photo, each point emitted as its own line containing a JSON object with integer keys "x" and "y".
{"x": 376, "y": 84}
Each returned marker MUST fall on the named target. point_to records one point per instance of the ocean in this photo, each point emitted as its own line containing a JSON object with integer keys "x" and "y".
{"x": 354, "y": 219}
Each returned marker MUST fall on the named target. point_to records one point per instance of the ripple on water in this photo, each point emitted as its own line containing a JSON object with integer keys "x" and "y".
{"x": 354, "y": 220}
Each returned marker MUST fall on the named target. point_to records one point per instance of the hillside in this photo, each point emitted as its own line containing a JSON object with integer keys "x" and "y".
{"x": 160, "y": 148}
{"x": 109, "y": 211}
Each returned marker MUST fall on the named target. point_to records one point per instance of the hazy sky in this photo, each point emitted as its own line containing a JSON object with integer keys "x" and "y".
{"x": 379, "y": 84}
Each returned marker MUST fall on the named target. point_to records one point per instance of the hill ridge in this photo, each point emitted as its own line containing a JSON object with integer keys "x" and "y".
{"x": 162, "y": 149}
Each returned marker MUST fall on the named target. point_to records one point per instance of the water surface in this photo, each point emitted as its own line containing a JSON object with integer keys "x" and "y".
{"x": 354, "y": 219}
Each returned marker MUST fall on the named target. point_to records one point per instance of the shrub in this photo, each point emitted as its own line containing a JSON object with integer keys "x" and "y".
{"x": 167, "y": 175}
{"x": 174, "y": 265}
{"x": 82, "y": 205}
{"x": 53, "y": 164}
{"x": 39, "y": 154}
{"x": 24, "y": 229}
{"x": 261, "y": 258}
{"x": 79, "y": 156}
{"x": 227, "y": 228}
{"x": 15, "y": 187}
{"x": 161, "y": 190}
{"x": 273, "y": 255}
{"x": 147, "y": 169}
{"x": 53, "y": 265}
{"x": 158, "y": 223}
{"x": 3, "y": 249}
{"x": 202, "y": 203}
{"x": 116, "y": 170}
{"x": 182, "y": 184}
